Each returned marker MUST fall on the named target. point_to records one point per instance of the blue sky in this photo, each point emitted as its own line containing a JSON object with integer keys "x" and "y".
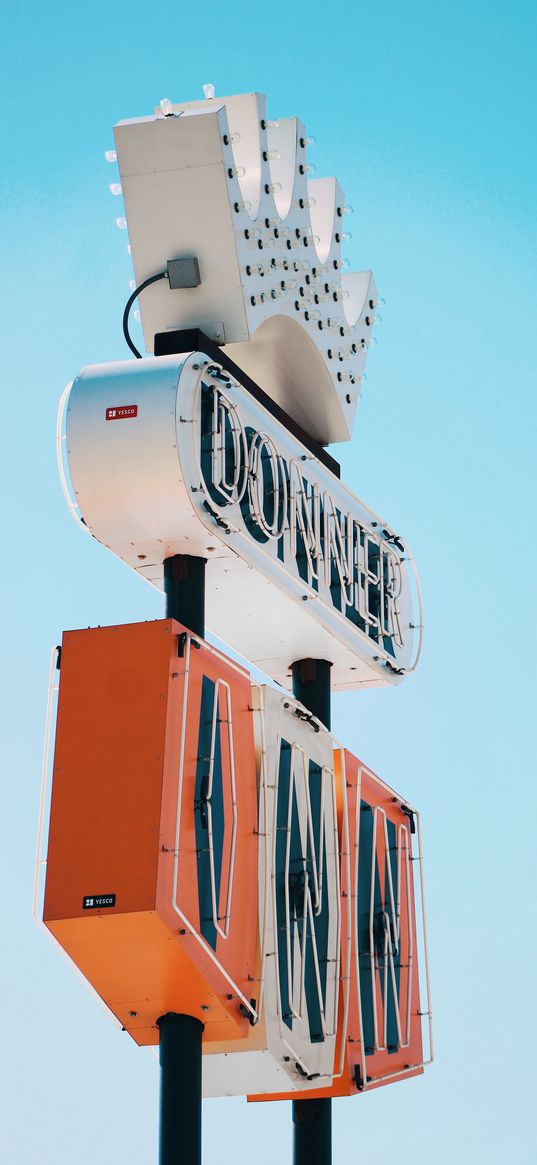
{"x": 426, "y": 113}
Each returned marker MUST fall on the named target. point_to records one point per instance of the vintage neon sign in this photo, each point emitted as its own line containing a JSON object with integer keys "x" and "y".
{"x": 268, "y": 886}
{"x": 298, "y": 566}
{"x": 360, "y": 569}
{"x": 267, "y": 239}
{"x": 260, "y": 880}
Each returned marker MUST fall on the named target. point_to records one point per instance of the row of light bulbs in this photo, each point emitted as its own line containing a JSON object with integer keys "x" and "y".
{"x": 332, "y": 292}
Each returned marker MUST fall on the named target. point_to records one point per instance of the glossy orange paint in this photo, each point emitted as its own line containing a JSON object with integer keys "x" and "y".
{"x": 123, "y": 823}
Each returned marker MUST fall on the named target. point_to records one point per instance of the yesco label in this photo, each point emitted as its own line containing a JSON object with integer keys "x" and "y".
{"x": 98, "y": 901}
{"x": 121, "y": 412}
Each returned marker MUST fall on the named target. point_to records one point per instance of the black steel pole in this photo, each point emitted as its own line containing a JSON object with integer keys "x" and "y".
{"x": 180, "y": 1035}
{"x": 184, "y": 587}
{"x": 312, "y": 1119}
{"x": 312, "y": 1132}
{"x": 180, "y": 1089}
{"x": 311, "y": 685}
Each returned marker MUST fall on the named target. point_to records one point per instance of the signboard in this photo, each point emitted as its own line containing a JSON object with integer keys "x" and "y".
{"x": 212, "y": 851}
{"x": 215, "y": 181}
{"x": 152, "y": 851}
{"x": 371, "y": 1031}
{"x": 297, "y": 565}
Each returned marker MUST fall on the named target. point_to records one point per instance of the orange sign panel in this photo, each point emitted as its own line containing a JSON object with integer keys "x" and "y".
{"x": 152, "y": 861}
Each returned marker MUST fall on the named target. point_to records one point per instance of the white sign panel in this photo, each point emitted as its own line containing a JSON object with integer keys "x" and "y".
{"x": 292, "y": 1045}
{"x": 297, "y": 565}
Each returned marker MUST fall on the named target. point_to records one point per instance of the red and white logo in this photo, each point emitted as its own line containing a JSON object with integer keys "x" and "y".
{"x": 121, "y": 412}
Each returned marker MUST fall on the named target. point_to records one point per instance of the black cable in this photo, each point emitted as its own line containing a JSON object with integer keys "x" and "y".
{"x": 128, "y": 305}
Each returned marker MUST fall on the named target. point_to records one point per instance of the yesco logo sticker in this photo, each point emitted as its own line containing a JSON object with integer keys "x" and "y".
{"x": 98, "y": 901}
{"x": 121, "y": 412}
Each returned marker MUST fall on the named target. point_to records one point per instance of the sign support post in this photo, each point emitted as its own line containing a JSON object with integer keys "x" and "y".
{"x": 312, "y": 1119}
{"x": 184, "y": 587}
{"x": 180, "y": 1089}
{"x": 180, "y": 1035}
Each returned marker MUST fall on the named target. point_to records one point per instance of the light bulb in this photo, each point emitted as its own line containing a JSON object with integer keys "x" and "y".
{"x": 111, "y": 156}
{"x": 347, "y": 210}
{"x": 115, "y": 188}
{"x": 121, "y": 222}
{"x": 272, "y": 124}
{"x": 273, "y": 155}
{"x": 137, "y": 315}
{"x": 166, "y": 107}
{"x": 311, "y": 141}
{"x": 208, "y": 92}
{"x": 132, "y": 284}
{"x": 275, "y": 187}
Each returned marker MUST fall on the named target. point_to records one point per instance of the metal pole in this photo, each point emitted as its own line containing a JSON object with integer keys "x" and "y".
{"x": 180, "y": 1035}
{"x": 312, "y": 1119}
{"x": 180, "y": 1089}
{"x": 184, "y": 587}
{"x": 311, "y": 685}
{"x": 312, "y": 1132}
